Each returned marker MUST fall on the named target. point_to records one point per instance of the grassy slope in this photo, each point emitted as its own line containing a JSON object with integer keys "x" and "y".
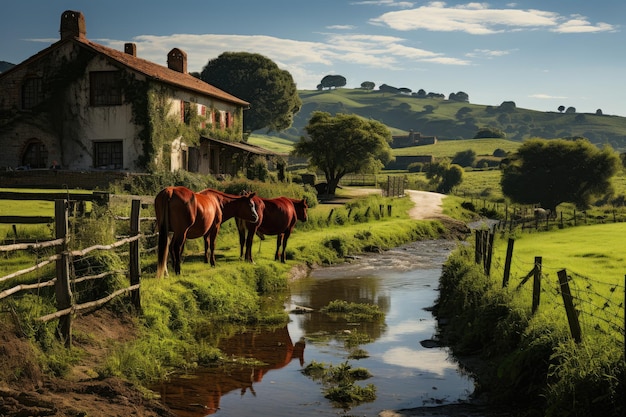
{"x": 402, "y": 113}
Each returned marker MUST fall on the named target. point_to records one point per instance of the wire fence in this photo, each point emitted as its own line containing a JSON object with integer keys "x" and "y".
{"x": 591, "y": 305}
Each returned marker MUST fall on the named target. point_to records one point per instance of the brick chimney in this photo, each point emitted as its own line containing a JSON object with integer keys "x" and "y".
{"x": 177, "y": 60}
{"x": 73, "y": 25}
{"x": 130, "y": 48}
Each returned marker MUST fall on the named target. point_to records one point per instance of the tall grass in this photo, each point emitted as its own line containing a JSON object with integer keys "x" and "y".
{"x": 538, "y": 363}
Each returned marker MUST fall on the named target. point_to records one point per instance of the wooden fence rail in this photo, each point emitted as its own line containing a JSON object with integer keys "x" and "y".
{"x": 65, "y": 302}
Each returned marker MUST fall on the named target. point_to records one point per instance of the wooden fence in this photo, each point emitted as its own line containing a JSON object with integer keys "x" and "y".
{"x": 585, "y": 301}
{"x": 522, "y": 217}
{"x": 63, "y": 281}
{"x": 394, "y": 186}
{"x": 76, "y": 204}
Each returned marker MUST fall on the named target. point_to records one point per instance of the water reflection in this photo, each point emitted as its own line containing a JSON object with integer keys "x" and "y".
{"x": 320, "y": 294}
{"x": 402, "y": 283}
{"x": 200, "y": 394}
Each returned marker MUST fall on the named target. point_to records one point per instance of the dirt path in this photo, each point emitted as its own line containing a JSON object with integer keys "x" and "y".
{"x": 427, "y": 205}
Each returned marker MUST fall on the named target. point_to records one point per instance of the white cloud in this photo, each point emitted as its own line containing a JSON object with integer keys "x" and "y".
{"x": 487, "y": 53}
{"x": 297, "y": 57}
{"x": 480, "y": 19}
{"x": 387, "y": 3}
{"x": 542, "y": 96}
{"x": 580, "y": 24}
{"x": 341, "y": 27}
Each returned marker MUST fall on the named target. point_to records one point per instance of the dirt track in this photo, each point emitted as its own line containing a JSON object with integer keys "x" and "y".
{"x": 427, "y": 205}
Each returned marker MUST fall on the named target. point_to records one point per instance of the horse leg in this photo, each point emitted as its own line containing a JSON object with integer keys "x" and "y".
{"x": 209, "y": 245}
{"x": 285, "y": 239}
{"x": 241, "y": 229}
{"x": 279, "y": 241}
{"x": 249, "y": 241}
{"x": 206, "y": 248}
{"x": 176, "y": 250}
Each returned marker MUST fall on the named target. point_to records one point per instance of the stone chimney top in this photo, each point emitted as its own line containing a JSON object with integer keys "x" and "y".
{"x": 177, "y": 60}
{"x": 130, "y": 48}
{"x": 73, "y": 25}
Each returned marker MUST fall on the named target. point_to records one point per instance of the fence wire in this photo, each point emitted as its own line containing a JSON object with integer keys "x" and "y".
{"x": 599, "y": 303}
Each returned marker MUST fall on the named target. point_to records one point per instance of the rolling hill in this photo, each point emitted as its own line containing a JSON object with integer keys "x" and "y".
{"x": 456, "y": 120}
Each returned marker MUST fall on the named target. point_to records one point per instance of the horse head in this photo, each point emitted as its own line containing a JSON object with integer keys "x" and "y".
{"x": 301, "y": 209}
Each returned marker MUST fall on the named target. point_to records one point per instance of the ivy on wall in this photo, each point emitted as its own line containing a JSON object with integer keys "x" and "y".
{"x": 61, "y": 113}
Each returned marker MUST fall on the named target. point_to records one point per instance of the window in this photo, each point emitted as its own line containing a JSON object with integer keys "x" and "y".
{"x": 32, "y": 92}
{"x": 108, "y": 155}
{"x": 187, "y": 115}
{"x": 104, "y": 87}
{"x": 35, "y": 155}
{"x": 204, "y": 118}
{"x": 217, "y": 119}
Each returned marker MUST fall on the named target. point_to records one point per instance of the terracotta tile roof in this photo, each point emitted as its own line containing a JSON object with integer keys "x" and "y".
{"x": 161, "y": 73}
{"x": 150, "y": 69}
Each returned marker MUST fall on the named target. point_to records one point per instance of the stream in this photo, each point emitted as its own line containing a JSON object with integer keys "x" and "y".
{"x": 408, "y": 368}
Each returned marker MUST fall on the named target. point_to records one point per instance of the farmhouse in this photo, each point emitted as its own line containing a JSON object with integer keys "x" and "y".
{"x": 412, "y": 139}
{"x": 79, "y": 105}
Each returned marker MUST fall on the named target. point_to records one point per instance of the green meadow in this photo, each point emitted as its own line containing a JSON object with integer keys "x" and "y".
{"x": 593, "y": 261}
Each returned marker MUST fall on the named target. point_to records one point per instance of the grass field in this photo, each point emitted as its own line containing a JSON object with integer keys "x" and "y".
{"x": 449, "y": 148}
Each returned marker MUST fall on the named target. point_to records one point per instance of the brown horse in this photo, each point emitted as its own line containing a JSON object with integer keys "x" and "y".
{"x": 191, "y": 215}
{"x": 277, "y": 216}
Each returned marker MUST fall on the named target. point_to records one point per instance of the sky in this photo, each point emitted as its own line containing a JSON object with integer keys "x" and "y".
{"x": 541, "y": 54}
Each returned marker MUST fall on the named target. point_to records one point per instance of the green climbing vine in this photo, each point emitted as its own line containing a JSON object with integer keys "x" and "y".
{"x": 61, "y": 113}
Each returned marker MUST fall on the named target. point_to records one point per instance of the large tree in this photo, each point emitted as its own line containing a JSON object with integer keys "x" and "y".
{"x": 271, "y": 92}
{"x": 343, "y": 144}
{"x": 444, "y": 175}
{"x": 551, "y": 172}
{"x": 333, "y": 81}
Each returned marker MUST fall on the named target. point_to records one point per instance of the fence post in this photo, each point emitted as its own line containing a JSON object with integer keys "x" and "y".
{"x": 478, "y": 253}
{"x": 62, "y": 289}
{"x": 572, "y": 317}
{"x": 134, "y": 269}
{"x": 490, "y": 236}
{"x": 330, "y": 215}
{"x": 537, "y": 284}
{"x": 507, "y": 263}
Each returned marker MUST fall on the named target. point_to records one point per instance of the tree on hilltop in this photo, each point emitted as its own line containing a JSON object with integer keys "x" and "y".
{"x": 507, "y": 107}
{"x": 388, "y": 89}
{"x": 333, "y": 81}
{"x": 367, "y": 85}
{"x": 460, "y": 96}
{"x": 271, "y": 92}
{"x": 551, "y": 172}
{"x": 343, "y": 144}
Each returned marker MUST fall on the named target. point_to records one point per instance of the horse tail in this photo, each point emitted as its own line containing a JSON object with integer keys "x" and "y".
{"x": 164, "y": 227}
